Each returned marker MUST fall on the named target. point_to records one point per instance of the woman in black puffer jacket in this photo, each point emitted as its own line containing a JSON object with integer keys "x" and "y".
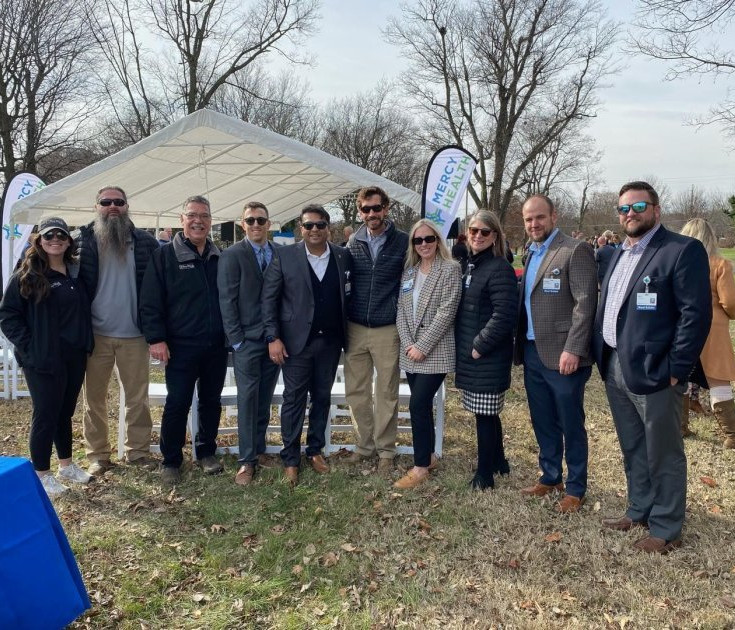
{"x": 484, "y": 340}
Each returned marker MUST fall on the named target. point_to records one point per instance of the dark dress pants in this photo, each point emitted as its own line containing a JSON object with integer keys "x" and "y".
{"x": 54, "y": 397}
{"x": 556, "y": 402}
{"x": 255, "y": 377}
{"x": 187, "y": 365}
{"x": 421, "y": 407}
{"x": 310, "y": 373}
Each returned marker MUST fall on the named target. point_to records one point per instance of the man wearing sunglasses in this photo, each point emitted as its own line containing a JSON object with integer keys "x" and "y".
{"x": 652, "y": 322}
{"x": 113, "y": 256}
{"x": 305, "y": 295}
{"x": 240, "y": 280}
{"x": 557, "y": 309}
{"x": 378, "y": 251}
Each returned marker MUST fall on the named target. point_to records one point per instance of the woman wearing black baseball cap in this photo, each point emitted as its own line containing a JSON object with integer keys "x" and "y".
{"x": 45, "y": 313}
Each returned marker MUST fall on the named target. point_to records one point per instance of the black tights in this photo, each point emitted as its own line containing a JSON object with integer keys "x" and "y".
{"x": 490, "y": 452}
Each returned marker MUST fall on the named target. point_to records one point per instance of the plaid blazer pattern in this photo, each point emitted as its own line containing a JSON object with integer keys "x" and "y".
{"x": 432, "y": 330}
{"x": 562, "y": 321}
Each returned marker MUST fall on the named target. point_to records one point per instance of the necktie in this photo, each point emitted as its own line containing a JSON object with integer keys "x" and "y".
{"x": 263, "y": 263}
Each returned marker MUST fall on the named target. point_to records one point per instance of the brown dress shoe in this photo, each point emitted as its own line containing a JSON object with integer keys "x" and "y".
{"x": 292, "y": 474}
{"x": 434, "y": 462}
{"x": 570, "y": 504}
{"x": 541, "y": 490}
{"x": 622, "y": 523}
{"x": 385, "y": 465}
{"x": 319, "y": 464}
{"x": 266, "y": 461}
{"x": 651, "y": 544}
{"x": 411, "y": 479}
{"x": 244, "y": 476}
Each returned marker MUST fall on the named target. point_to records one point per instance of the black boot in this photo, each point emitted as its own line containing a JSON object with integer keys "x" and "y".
{"x": 501, "y": 463}
{"x": 483, "y": 478}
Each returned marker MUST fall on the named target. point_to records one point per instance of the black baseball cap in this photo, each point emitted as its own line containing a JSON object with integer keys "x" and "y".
{"x": 53, "y": 223}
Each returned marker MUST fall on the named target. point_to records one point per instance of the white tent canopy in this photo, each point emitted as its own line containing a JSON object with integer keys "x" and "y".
{"x": 207, "y": 153}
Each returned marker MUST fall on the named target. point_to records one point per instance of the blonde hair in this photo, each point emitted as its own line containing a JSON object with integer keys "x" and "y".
{"x": 703, "y": 232}
{"x": 491, "y": 220}
{"x": 442, "y": 251}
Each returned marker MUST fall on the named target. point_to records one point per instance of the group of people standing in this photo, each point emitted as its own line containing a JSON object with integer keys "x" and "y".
{"x": 389, "y": 301}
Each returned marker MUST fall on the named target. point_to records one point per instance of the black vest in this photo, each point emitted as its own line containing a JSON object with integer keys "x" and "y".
{"x": 327, "y": 303}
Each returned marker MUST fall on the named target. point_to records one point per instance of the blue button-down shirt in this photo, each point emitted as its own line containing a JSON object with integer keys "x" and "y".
{"x": 536, "y": 252}
{"x": 267, "y": 250}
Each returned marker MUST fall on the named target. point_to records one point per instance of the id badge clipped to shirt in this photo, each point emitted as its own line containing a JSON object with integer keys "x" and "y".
{"x": 646, "y": 301}
{"x": 552, "y": 283}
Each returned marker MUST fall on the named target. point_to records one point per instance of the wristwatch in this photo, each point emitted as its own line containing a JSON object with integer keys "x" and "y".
{"x": 270, "y": 339}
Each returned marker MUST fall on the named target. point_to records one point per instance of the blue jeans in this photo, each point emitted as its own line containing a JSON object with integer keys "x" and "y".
{"x": 556, "y": 402}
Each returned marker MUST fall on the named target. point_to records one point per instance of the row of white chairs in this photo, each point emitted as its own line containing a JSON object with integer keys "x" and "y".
{"x": 339, "y": 420}
{"x": 12, "y": 380}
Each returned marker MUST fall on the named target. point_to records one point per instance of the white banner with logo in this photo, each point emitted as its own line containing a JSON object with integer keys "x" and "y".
{"x": 446, "y": 179}
{"x": 22, "y": 185}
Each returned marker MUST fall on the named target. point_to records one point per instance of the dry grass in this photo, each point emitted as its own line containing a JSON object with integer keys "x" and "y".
{"x": 347, "y": 551}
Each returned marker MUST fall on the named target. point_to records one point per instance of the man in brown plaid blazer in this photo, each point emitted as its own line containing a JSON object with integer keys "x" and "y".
{"x": 556, "y": 315}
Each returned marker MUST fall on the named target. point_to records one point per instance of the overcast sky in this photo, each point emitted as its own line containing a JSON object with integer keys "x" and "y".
{"x": 641, "y": 127}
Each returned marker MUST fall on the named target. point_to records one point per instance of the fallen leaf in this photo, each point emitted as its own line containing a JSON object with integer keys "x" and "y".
{"x": 200, "y": 597}
{"x": 728, "y": 601}
{"x": 310, "y": 550}
{"x": 278, "y": 529}
{"x": 514, "y": 563}
{"x": 297, "y": 569}
{"x": 554, "y": 537}
{"x": 701, "y": 574}
{"x": 238, "y": 605}
{"x": 596, "y": 507}
{"x": 349, "y": 547}
{"x": 218, "y": 529}
{"x": 708, "y": 481}
{"x": 318, "y": 612}
{"x": 305, "y": 587}
{"x": 424, "y": 525}
{"x": 716, "y": 509}
{"x": 329, "y": 559}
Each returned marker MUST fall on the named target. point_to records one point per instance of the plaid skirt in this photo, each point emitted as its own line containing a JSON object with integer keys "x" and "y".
{"x": 483, "y": 403}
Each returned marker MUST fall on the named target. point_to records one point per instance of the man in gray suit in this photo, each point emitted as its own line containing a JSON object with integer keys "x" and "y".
{"x": 556, "y": 314}
{"x": 305, "y": 312}
{"x": 240, "y": 282}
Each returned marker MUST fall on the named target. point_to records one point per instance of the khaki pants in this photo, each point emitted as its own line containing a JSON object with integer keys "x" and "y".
{"x": 375, "y": 421}
{"x": 131, "y": 358}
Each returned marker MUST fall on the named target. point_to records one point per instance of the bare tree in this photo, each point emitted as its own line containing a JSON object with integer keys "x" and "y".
{"x": 483, "y": 70}
{"x": 371, "y": 131}
{"x": 693, "y": 38}
{"x": 43, "y": 82}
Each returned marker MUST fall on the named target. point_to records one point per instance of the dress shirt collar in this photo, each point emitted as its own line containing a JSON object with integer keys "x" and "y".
{"x": 644, "y": 240}
{"x": 537, "y": 248}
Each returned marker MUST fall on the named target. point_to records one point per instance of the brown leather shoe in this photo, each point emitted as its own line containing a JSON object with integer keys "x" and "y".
{"x": 292, "y": 474}
{"x": 319, "y": 464}
{"x": 570, "y": 504}
{"x": 541, "y": 490}
{"x": 99, "y": 467}
{"x": 411, "y": 479}
{"x": 651, "y": 544}
{"x": 434, "y": 462}
{"x": 245, "y": 475}
{"x": 622, "y": 523}
{"x": 266, "y": 461}
{"x": 385, "y": 465}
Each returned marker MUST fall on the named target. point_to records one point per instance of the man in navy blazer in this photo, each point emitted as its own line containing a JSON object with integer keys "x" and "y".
{"x": 305, "y": 295}
{"x": 652, "y": 321}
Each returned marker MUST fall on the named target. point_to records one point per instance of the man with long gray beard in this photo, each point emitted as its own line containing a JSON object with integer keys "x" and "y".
{"x": 113, "y": 256}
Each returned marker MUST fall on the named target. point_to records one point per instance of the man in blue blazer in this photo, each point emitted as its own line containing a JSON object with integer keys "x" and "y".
{"x": 652, "y": 321}
{"x": 305, "y": 293}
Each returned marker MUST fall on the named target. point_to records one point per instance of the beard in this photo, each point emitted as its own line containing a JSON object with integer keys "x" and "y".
{"x": 112, "y": 234}
{"x": 639, "y": 228}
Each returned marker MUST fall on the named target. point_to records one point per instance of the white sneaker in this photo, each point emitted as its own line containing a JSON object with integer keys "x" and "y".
{"x": 73, "y": 473}
{"x": 52, "y": 486}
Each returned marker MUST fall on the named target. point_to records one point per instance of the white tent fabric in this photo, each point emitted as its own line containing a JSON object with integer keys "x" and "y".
{"x": 207, "y": 153}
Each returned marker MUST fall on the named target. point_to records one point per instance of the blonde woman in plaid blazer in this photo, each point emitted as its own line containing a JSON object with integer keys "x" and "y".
{"x": 427, "y": 305}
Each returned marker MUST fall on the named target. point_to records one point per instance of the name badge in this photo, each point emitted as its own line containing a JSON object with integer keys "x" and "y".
{"x": 407, "y": 285}
{"x": 646, "y": 301}
{"x": 467, "y": 281}
{"x": 552, "y": 285}
{"x": 348, "y": 287}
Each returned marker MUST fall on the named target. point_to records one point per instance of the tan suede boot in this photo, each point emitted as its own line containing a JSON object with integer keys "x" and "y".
{"x": 725, "y": 414}
{"x": 685, "y": 430}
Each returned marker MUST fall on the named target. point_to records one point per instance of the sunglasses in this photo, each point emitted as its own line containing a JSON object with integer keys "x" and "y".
{"x": 484, "y": 231}
{"x": 369, "y": 209}
{"x": 637, "y": 207}
{"x": 58, "y": 234}
{"x": 112, "y": 202}
{"x": 254, "y": 220}
{"x": 319, "y": 225}
{"x": 417, "y": 240}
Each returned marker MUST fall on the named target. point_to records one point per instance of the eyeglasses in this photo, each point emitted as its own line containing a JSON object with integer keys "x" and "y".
{"x": 369, "y": 209}
{"x": 637, "y": 207}
{"x": 58, "y": 234}
{"x": 119, "y": 203}
{"x": 254, "y": 220}
{"x": 417, "y": 240}
{"x": 484, "y": 231}
{"x": 195, "y": 215}
{"x": 310, "y": 225}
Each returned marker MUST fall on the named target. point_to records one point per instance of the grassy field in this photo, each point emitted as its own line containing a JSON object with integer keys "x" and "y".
{"x": 728, "y": 253}
{"x": 345, "y": 550}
